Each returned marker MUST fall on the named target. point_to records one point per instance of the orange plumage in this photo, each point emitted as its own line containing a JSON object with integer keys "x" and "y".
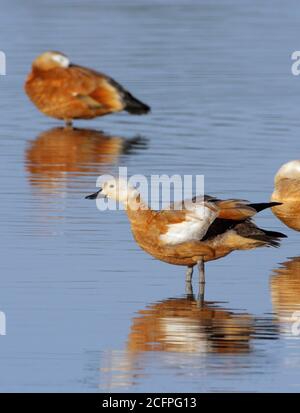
{"x": 65, "y": 91}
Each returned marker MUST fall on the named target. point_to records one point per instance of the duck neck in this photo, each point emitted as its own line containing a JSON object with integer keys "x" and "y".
{"x": 137, "y": 210}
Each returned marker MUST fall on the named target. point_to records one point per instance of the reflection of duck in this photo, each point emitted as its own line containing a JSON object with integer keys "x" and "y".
{"x": 287, "y": 191}
{"x": 178, "y": 329}
{"x": 181, "y": 325}
{"x": 285, "y": 290}
{"x": 66, "y": 91}
{"x": 58, "y": 153}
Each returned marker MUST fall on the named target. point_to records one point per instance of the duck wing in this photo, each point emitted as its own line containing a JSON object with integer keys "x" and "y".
{"x": 94, "y": 88}
{"x": 104, "y": 91}
{"x": 186, "y": 225}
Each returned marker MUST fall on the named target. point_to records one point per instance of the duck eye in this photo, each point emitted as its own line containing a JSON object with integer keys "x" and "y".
{"x": 111, "y": 186}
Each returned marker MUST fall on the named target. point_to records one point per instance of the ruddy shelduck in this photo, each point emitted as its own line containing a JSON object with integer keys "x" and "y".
{"x": 287, "y": 192}
{"x": 208, "y": 229}
{"x": 66, "y": 91}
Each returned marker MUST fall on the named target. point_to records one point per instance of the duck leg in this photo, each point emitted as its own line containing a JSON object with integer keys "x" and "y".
{"x": 188, "y": 281}
{"x": 189, "y": 289}
{"x": 201, "y": 295}
{"x": 201, "y": 272}
{"x": 189, "y": 274}
{"x": 201, "y": 282}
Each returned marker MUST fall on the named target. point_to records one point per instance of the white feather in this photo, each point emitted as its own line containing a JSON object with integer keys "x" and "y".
{"x": 61, "y": 59}
{"x": 193, "y": 228}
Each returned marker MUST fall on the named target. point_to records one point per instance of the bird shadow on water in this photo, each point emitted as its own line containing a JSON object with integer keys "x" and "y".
{"x": 60, "y": 157}
{"x": 184, "y": 331}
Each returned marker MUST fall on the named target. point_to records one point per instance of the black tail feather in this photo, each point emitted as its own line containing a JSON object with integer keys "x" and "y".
{"x": 274, "y": 234}
{"x": 269, "y": 238}
{"x": 135, "y": 106}
{"x": 272, "y": 238}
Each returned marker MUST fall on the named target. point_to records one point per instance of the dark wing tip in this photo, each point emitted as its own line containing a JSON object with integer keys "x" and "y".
{"x": 275, "y": 204}
{"x": 263, "y": 205}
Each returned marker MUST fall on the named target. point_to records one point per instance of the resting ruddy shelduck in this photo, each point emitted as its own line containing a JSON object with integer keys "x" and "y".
{"x": 209, "y": 229}
{"x": 287, "y": 192}
{"x": 66, "y": 91}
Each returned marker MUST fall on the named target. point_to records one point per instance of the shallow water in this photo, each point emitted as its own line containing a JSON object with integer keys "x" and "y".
{"x": 86, "y": 310}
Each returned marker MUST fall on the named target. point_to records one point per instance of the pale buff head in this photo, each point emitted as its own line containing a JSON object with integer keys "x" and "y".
{"x": 119, "y": 190}
{"x": 51, "y": 60}
{"x": 290, "y": 170}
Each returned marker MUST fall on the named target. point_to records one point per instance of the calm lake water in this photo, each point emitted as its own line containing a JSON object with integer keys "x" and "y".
{"x": 86, "y": 309}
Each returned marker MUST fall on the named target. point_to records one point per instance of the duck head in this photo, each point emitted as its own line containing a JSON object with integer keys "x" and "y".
{"x": 51, "y": 60}
{"x": 119, "y": 190}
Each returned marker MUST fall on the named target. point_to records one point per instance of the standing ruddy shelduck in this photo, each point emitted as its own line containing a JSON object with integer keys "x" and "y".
{"x": 209, "y": 229}
{"x": 66, "y": 91}
{"x": 287, "y": 191}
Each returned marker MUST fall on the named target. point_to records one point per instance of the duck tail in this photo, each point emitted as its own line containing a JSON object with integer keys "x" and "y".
{"x": 268, "y": 238}
{"x": 273, "y": 238}
{"x": 248, "y": 229}
{"x": 135, "y": 106}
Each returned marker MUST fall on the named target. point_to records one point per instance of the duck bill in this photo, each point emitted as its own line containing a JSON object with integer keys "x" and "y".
{"x": 95, "y": 195}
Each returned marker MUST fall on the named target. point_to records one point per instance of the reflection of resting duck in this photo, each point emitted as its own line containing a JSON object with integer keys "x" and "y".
{"x": 285, "y": 290}
{"x": 58, "y": 151}
{"x": 181, "y": 325}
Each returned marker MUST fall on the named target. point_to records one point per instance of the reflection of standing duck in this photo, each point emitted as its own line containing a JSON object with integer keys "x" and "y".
{"x": 285, "y": 290}
{"x": 181, "y": 325}
{"x": 60, "y": 152}
{"x": 287, "y": 191}
{"x": 178, "y": 329}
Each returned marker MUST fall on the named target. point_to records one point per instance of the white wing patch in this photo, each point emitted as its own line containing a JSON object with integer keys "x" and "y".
{"x": 193, "y": 228}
